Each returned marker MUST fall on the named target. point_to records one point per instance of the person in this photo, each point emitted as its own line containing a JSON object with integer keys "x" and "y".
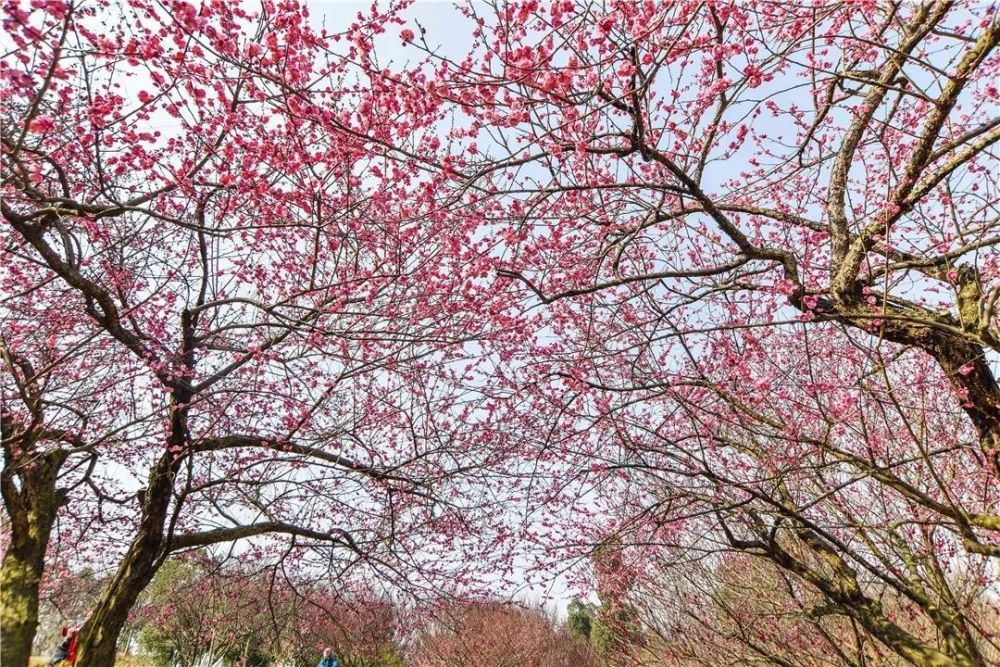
{"x": 65, "y": 653}
{"x": 329, "y": 659}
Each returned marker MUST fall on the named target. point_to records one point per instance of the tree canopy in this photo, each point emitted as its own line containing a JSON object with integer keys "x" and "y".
{"x": 653, "y": 287}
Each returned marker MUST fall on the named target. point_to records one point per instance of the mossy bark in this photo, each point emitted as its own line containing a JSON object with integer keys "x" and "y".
{"x": 32, "y": 502}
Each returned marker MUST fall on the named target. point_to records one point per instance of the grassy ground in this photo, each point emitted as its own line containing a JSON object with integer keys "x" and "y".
{"x": 124, "y": 660}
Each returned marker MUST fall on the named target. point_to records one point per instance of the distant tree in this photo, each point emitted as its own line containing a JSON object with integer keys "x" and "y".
{"x": 193, "y": 610}
{"x": 617, "y": 633}
{"x": 205, "y": 609}
{"x": 66, "y": 597}
{"x": 500, "y": 636}
{"x": 362, "y": 630}
{"x": 580, "y": 619}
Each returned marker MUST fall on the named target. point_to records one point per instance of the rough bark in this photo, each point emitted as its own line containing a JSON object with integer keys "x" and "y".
{"x": 97, "y": 645}
{"x": 31, "y": 502}
{"x": 98, "y": 642}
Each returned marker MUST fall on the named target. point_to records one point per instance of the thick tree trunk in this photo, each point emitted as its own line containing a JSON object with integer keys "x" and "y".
{"x": 19, "y": 578}
{"x": 31, "y": 508}
{"x": 970, "y": 373}
{"x": 963, "y": 359}
{"x": 98, "y": 641}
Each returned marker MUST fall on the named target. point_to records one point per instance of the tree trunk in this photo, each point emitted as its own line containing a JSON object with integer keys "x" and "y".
{"x": 98, "y": 642}
{"x": 19, "y": 578}
{"x": 31, "y": 509}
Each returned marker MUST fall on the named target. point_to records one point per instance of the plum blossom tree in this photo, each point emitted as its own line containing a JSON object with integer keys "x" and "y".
{"x": 728, "y": 270}
{"x": 617, "y": 632}
{"x": 495, "y": 634}
{"x": 759, "y": 243}
{"x": 199, "y": 609}
{"x": 742, "y": 610}
{"x": 230, "y": 309}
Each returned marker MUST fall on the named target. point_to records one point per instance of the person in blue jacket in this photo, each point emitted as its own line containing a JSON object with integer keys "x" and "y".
{"x": 329, "y": 659}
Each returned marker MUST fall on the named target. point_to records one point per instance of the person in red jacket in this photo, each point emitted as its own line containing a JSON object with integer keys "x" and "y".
{"x": 65, "y": 654}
